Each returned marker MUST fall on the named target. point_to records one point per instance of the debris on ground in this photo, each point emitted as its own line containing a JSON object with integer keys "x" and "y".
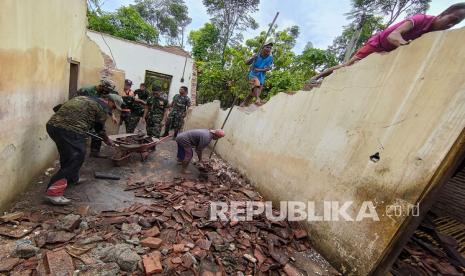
{"x": 173, "y": 235}
{"x": 436, "y": 248}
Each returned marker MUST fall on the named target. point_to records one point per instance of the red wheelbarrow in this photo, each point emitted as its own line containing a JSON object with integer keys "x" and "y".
{"x": 133, "y": 143}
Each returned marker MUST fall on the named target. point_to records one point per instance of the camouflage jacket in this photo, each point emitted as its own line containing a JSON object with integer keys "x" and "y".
{"x": 180, "y": 104}
{"x": 80, "y": 114}
{"x": 157, "y": 105}
{"x": 138, "y": 108}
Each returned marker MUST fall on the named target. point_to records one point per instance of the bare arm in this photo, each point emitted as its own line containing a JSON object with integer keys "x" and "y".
{"x": 250, "y": 60}
{"x": 395, "y": 38}
{"x": 199, "y": 155}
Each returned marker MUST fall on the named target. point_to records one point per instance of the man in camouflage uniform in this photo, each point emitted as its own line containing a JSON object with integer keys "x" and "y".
{"x": 138, "y": 109}
{"x": 68, "y": 128}
{"x": 179, "y": 106}
{"x": 128, "y": 100}
{"x": 105, "y": 87}
{"x": 157, "y": 106}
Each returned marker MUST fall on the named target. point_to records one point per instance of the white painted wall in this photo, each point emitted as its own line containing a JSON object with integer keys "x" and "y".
{"x": 134, "y": 58}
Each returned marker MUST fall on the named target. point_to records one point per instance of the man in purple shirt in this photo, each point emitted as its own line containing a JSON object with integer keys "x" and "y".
{"x": 195, "y": 138}
{"x": 402, "y": 33}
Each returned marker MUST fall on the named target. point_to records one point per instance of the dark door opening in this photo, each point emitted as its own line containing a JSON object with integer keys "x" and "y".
{"x": 162, "y": 80}
{"x": 73, "y": 78}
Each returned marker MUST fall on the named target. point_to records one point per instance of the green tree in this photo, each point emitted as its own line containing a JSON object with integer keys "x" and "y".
{"x": 204, "y": 43}
{"x": 340, "y": 44}
{"x": 231, "y": 17}
{"x": 226, "y": 82}
{"x": 170, "y": 17}
{"x": 126, "y": 23}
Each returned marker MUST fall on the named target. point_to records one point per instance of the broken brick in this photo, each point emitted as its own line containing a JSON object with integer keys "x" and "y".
{"x": 176, "y": 260}
{"x": 199, "y": 253}
{"x": 177, "y": 248}
{"x": 59, "y": 236}
{"x": 292, "y": 270}
{"x": 203, "y": 244}
{"x": 17, "y": 231}
{"x": 300, "y": 233}
{"x": 152, "y": 263}
{"x": 11, "y": 217}
{"x": 151, "y": 242}
{"x": 69, "y": 222}
{"x": 259, "y": 256}
{"x": 8, "y": 264}
{"x": 113, "y": 220}
{"x": 83, "y": 210}
{"x": 60, "y": 263}
{"x": 152, "y": 232}
{"x": 188, "y": 260}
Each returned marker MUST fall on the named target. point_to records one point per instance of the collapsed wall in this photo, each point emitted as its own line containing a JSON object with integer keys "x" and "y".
{"x": 408, "y": 106}
{"x": 39, "y": 40}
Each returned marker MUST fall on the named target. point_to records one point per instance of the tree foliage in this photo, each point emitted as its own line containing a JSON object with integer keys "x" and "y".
{"x": 226, "y": 82}
{"x": 125, "y": 22}
{"x": 204, "y": 43}
{"x": 389, "y": 9}
{"x": 230, "y": 17}
{"x": 371, "y": 25}
{"x": 170, "y": 17}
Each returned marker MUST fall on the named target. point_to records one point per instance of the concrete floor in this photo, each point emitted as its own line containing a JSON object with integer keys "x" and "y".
{"x": 102, "y": 194}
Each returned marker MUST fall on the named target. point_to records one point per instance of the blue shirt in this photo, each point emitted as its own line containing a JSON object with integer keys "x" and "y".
{"x": 261, "y": 63}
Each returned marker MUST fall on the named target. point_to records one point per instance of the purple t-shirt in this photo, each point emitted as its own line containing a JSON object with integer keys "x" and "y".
{"x": 195, "y": 138}
{"x": 421, "y": 24}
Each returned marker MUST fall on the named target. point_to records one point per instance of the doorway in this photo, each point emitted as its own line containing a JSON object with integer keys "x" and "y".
{"x": 73, "y": 78}
{"x": 162, "y": 80}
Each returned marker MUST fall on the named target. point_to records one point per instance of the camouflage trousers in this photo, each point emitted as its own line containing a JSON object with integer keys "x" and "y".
{"x": 131, "y": 122}
{"x": 154, "y": 125}
{"x": 175, "y": 121}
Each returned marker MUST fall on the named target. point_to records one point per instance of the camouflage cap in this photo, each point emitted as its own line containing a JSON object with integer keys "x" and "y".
{"x": 117, "y": 99}
{"x": 107, "y": 84}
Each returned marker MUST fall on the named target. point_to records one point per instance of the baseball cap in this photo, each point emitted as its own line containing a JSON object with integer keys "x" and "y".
{"x": 128, "y": 81}
{"x": 269, "y": 43}
{"x": 117, "y": 99}
{"x": 107, "y": 84}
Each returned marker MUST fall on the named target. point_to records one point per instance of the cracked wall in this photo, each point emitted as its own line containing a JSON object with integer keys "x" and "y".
{"x": 408, "y": 105}
{"x": 38, "y": 40}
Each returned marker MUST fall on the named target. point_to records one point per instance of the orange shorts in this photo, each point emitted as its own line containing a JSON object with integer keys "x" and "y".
{"x": 366, "y": 50}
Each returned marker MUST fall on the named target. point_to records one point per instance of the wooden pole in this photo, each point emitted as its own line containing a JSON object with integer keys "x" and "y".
{"x": 251, "y": 68}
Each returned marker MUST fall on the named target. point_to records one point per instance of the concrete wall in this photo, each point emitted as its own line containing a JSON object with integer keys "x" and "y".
{"x": 135, "y": 58}
{"x": 38, "y": 40}
{"x": 408, "y": 105}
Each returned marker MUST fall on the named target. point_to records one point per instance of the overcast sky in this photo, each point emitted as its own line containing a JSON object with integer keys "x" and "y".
{"x": 320, "y": 21}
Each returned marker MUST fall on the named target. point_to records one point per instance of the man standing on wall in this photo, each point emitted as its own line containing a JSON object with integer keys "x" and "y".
{"x": 157, "y": 106}
{"x": 105, "y": 87}
{"x": 138, "y": 109}
{"x": 67, "y": 128}
{"x": 260, "y": 65}
{"x": 179, "y": 106}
